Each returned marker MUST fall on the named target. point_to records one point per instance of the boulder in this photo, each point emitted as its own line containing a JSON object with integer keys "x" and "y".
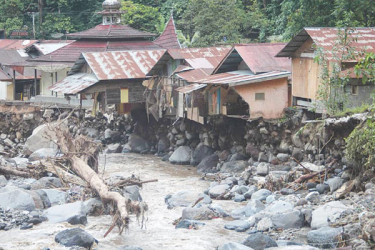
{"x": 334, "y": 183}
{"x": 283, "y": 157}
{"x": 279, "y": 207}
{"x": 132, "y": 192}
{"x": 91, "y": 132}
{"x": 252, "y": 150}
{"x": 3, "y": 181}
{"x": 137, "y": 144}
{"x": 93, "y": 206}
{"x": 201, "y": 152}
{"x": 42, "y": 137}
{"x": 312, "y": 167}
{"x": 264, "y": 224}
{"x": 218, "y": 190}
{"x": 163, "y": 145}
{"x": 326, "y": 213}
{"x": 324, "y": 237}
{"x": 238, "y": 225}
{"x": 43, "y": 153}
{"x": 197, "y": 213}
{"x": 238, "y": 157}
{"x": 78, "y": 220}
{"x": 288, "y": 219}
{"x": 46, "y": 183}
{"x": 75, "y": 237}
{"x": 56, "y": 197}
{"x": 322, "y": 188}
{"x": 234, "y": 246}
{"x": 234, "y": 167}
{"x": 185, "y": 198}
{"x": 15, "y": 198}
{"x": 261, "y": 194}
{"x": 208, "y": 164}
{"x": 61, "y": 213}
{"x": 113, "y": 148}
{"x": 263, "y": 169}
{"x": 181, "y": 156}
{"x": 189, "y": 224}
{"x": 259, "y": 241}
{"x": 313, "y": 197}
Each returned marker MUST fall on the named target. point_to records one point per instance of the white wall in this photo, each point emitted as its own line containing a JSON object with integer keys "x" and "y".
{"x": 48, "y": 80}
{"x": 3, "y": 90}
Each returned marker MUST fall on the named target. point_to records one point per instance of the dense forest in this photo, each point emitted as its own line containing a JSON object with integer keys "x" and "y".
{"x": 199, "y": 22}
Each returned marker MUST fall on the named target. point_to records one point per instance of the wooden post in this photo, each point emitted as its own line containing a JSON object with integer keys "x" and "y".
{"x": 14, "y": 85}
{"x": 35, "y": 80}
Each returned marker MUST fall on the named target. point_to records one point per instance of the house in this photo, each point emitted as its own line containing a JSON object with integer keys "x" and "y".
{"x": 111, "y": 78}
{"x": 249, "y": 82}
{"x": 306, "y": 72}
{"x": 110, "y": 35}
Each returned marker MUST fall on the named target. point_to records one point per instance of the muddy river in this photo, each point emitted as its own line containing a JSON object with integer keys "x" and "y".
{"x": 159, "y": 233}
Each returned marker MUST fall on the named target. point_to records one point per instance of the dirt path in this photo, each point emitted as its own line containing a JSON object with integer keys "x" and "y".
{"x": 160, "y": 233}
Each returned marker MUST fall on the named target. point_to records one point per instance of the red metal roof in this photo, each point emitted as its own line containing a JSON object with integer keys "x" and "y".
{"x": 15, "y": 44}
{"x": 111, "y": 32}
{"x": 74, "y": 84}
{"x": 71, "y": 52}
{"x": 190, "y": 88}
{"x": 240, "y": 78}
{"x": 260, "y": 57}
{"x": 194, "y": 75}
{"x": 199, "y": 58}
{"x": 122, "y": 64}
{"x": 326, "y": 38}
{"x": 168, "y": 39}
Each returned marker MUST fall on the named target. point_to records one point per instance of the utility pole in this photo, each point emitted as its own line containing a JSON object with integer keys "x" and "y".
{"x": 33, "y": 14}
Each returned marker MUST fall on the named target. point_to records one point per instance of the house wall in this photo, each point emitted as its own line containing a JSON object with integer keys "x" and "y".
{"x": 10, "y": 91}
{"x": 276, "y": 98}
{"x": 3, "y": 90}
{"x": 363, "y": 96}
{"x": 48, "y": 79}
{"x": 305, "y": 78}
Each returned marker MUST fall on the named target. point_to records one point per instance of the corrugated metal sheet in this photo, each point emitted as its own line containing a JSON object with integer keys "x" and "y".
{"x": 111, "y": 32}
{"x": 200, "y": 58}
{"x": 327, "y": 37}
{"x": 47, "y": 48}
{"x": 190, "y": 88}
{"x": 14, "y": 44}
{"x": 74, "y": 84}
{"x": 168, "y": 39}
{"x": 194, "y": 75}
{"x": 240, "y": 78}
{"x": 260, "y": 57}
{"x": 4, "y": 76}
{"x": 122, "y": 64}
{"x": 182, "y": 68}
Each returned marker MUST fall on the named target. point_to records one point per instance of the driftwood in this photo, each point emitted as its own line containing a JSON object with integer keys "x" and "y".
{"x": 12, "y": 171}
{"x": 130, "y": 182}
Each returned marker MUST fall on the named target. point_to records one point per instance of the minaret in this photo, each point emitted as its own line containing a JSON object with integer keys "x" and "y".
{"x": 111, "y": 12}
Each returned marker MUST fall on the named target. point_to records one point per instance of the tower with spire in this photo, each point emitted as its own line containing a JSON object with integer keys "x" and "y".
{"x": 111, "y": 12}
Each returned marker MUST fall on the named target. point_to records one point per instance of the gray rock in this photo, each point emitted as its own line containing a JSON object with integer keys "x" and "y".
{"x": 75, "y": 237}
{"x": 289, "y": 219}
{"x": 262, "y": 157}
{"x": 218, "y": 190}
{"x": 297, "y": 153}
{"x": 283, "y": 157}
{"x": 259, "y": 241}
{"x": 189, "y": 224}
{"x": 322, "y": 188}
{"x": 264, "y": 224}
{"x": 77, "y": 220}
{"x": 163, "y": 145}
{"x": 61, "y": 213}
{"x": 3, "y": 181}
{"x": 132, "y": 192}
{"x": 201, "y": 152}
{"x": 43, "y": 153}
{"x": 263, "y": 169}
{"x": 16, "y": 199}
{"x": 325, "y": 237}
{"x": 218, "y": 210}
{"x": 208, "y": 164}
{"x": 313, "y": 197}
{"x": 252, "y": 207}
{"x": 93, "y": 206}
{"x": 56, "y": 197}
{"x": 238, "y": 157}
{"x": 197, "y": 213}
{"x": 113, "y": 148}
{"x": 181, "y": 156}
{"x": 44, "y": 198}
{"x": 137, "y": 144}
{"x": 334, "y": 183}
{"x": 185, "y": 198}
{"x": 46, "y": 183}
{"x": 238, "y": 225}
{"x": 91, "y": 132}
{"x": 261, "y": 194}
{"x": 239, "y": 198}
{"x": 326, "y": 213}
{"x": 279, "y": 207}
{"x": 42, "y": 137}
{"x": 234, "y": 246}
{"x": 234, "y": 167}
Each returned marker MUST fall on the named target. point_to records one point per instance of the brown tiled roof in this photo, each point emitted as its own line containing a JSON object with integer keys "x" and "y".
{"x": 168, "y": 39}
{"x": 111, "y": 32}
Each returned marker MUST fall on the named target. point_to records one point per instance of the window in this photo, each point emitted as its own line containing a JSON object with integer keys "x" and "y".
{"x": 124, "y": 95}
{"x": 114, "y": 19}
{"x": 354, "y": 89}
{"x": 259, "y": 97}
{"x": 108, "y": 19}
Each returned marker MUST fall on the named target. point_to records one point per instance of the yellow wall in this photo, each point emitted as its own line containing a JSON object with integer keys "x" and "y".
{"x": 276, "y": 98}
{"x": 10, "y": 96}
{"x": 305, "y": 78}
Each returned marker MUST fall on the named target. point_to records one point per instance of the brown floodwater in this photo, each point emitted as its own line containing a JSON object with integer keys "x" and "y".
{"x": 159, "y": 233}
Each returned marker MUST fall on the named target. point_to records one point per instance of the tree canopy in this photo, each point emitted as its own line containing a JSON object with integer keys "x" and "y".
{"x": 216, "y": 21}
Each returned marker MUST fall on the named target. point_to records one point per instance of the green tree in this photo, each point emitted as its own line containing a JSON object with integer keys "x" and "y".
{"x": 56, "y": 24}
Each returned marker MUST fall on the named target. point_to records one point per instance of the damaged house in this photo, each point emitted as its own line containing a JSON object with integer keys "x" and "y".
{"x": 306, "y": 72}
{"x": 250, "y": 82}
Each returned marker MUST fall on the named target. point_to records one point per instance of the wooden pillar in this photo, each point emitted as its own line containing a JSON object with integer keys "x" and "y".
{"x": 14, "y": 85}
{"x": 35, "y": 81}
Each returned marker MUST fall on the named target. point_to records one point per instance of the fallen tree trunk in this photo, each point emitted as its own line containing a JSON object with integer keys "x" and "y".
{"x": 11, "y": 171}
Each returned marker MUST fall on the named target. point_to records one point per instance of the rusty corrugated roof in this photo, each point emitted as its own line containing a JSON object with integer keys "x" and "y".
{"x": 237, "y": 78}
{"x": 122, "y": 64}
{"x": 14, "y": 44}
{"x": 190, "y": 88}
{"x": 199, "y": 58}
{"x": 74, "y": 84}
{"x": 194, "y": 75}
{"x": 326, "y": 38}
{"x": 260, "y": 57}
{"x": 111, "y": 32}
{"x": 168, "y": 39}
